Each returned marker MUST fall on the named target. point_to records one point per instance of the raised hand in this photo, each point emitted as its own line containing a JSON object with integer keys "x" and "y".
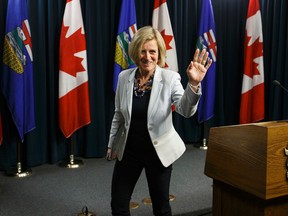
{"x": 198, "y": 67}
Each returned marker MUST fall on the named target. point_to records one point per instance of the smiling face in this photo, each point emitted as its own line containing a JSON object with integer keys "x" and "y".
{"x": 149, "y": 57}
{"x": 147, "y": 49}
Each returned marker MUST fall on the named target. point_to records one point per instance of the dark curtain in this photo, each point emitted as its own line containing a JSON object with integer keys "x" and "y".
{"x": 46, "y": 143}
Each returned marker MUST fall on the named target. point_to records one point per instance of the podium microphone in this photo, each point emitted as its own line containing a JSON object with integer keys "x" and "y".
{"x": 277, "y": 83}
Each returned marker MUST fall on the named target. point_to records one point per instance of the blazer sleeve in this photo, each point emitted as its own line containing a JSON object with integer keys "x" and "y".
{"x": 117, "y": 125}
{"x": 186, "y": 101}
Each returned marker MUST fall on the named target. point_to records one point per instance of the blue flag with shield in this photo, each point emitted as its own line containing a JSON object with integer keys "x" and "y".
{"x": 126, "y": 30}
{"x": 207, "y": 40}
{"x": 17, "y": 77}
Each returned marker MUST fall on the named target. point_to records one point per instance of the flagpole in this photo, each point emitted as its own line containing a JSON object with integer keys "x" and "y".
{"x": 72, "y": 162}
{"x": 19, "y": 171}
{"x": 204, "y": 140}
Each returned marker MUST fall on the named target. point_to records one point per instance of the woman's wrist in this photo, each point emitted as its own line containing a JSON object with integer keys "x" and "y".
{"x": 195, "y": 88}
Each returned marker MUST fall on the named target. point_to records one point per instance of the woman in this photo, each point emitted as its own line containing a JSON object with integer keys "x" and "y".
{"x": 142, "y": 134}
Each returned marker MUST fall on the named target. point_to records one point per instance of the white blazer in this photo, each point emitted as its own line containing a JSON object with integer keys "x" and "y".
{"x": 167, "y": 89}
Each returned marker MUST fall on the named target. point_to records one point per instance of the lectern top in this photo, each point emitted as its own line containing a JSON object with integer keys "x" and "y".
{"x": 273, "y": 123}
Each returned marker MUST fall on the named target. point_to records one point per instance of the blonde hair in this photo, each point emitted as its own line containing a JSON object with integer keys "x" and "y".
{"x": 143, "y": 35}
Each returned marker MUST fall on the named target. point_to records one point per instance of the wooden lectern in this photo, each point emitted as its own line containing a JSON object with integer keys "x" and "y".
{"x": 248, "y": 164}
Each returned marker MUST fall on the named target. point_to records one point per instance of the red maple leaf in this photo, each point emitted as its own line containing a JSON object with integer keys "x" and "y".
{"x": 250, "y": 53}
{"x": 167, "y": 40}
{"x": 75, "y": 43}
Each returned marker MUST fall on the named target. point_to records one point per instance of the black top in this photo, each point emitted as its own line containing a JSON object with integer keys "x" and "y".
{"x": 138, "y": 137}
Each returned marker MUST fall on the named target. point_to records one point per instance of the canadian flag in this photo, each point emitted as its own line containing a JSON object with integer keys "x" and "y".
{"x": 161, "y": 22}
{"x": 252, "y": 98}
{"x": 74, "y": 106}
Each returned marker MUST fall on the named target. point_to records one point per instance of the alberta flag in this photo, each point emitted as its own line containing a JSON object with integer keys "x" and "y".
{"x": 126, "y": 29}
{"x": 74, "y": 105}
{"x": 252, "y": 97}
{"x": 207, "y": 40}
{"x": 17, "y": 76}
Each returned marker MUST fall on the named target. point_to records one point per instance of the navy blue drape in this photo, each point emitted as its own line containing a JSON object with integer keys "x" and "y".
{"x": 46, "y": 144}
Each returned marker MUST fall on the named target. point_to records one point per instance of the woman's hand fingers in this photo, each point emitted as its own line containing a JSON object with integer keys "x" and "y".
{"x": 196, "y": 55}
{"x": 108, "y": 154}
{"x": 199, "y": 66}
{"x": 208, "y": 64}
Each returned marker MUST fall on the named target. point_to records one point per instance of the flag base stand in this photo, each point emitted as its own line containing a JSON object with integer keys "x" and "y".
{"x": 133, "y": 205}
{"x": 204, "y": 146}
{"x": 72, "y": 163}
{"x": 85, "y": 212}
{"x": 148, "y": 201}
{"x": 88, "y": 214}
{"x": 19, "y": 171}
{"x": 204, "y": 141}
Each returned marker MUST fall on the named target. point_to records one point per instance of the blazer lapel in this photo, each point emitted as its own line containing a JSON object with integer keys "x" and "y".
{"x": 156, "y": 89}
{"x": 129, "y": 91}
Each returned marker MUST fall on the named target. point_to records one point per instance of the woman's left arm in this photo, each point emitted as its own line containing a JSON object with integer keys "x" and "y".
{"x": 187, "y": 105}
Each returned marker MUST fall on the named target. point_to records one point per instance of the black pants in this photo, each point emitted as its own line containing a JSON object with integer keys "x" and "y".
{"x": 126, "y": 174}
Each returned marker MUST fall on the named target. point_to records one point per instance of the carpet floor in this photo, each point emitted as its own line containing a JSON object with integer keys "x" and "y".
{"x": 52, "y": 190}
